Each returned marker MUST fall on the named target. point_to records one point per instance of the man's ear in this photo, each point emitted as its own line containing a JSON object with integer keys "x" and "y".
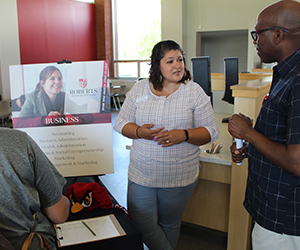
{"x": 278, "y": 36}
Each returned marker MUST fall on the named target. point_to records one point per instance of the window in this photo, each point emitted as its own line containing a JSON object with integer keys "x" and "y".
{"x": 137, "y": 28}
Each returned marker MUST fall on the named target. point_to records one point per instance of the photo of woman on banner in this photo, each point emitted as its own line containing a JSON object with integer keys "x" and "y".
{"x": 48, "y": 101}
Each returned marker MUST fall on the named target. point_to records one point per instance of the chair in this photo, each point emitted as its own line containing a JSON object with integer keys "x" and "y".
{"x": 139, "y": 78}
{"x": 122, "y": 93}
{"x": 111, "y": 94}
{"x": 231, "y": 69}
{"x": 5, "y": 112}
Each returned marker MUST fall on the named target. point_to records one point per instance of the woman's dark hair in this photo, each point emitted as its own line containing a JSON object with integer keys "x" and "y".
{"x": 158, "y": 52}
{"x": 44, "y": 75}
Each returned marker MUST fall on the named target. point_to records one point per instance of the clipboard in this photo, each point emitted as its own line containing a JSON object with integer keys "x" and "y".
{"x": 88, "y": 230}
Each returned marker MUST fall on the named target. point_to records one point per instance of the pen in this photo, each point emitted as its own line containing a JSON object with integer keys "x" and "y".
{"x": 88, "y": 228}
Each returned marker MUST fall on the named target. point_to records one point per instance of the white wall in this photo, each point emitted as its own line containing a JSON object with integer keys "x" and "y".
{"x": 211, "y": 15}
{"x": 172, "y": 20}
{"x": 9, "y": 43}
{"x": 230, "y": 14}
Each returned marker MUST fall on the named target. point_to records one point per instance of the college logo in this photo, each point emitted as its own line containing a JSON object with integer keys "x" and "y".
{"x": 83, "y": 82}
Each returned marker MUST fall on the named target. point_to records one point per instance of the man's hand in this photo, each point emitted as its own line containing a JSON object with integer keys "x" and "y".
{"x": 239, "y": 126}
{"x": 238, "y": 155}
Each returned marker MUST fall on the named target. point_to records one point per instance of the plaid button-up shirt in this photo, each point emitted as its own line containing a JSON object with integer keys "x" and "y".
{"x": 273, "y": 194}
{"x": 188, "y": 107}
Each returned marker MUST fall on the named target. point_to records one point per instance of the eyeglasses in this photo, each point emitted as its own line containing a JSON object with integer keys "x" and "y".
{"x": 255, "y": 33}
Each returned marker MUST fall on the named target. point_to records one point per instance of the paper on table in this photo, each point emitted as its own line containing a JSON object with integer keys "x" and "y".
{"x": 74, "y": 232}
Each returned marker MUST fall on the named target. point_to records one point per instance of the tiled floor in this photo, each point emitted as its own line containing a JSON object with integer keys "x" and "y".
{"x": 117, "y": 184}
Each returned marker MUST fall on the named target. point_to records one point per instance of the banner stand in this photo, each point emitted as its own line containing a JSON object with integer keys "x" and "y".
{"x": 64, "y": 61}
{"x": 65, "y": 107}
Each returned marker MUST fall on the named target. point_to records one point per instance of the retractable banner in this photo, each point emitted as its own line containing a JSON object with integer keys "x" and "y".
{"x": 65, "y": 108}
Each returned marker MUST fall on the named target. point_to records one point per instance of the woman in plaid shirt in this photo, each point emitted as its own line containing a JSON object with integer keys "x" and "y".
{"x": 168, "y": 117}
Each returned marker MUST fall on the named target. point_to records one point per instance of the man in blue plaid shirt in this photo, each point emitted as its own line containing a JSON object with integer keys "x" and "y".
{"x": 273, "y": 187}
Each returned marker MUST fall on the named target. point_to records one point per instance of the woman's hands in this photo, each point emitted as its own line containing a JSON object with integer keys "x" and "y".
{"x": 168, "y": 138}
{"x": 133, "y": 131}
{"x": 145, "y": 131}
{"x": 197, "y": 136}
{"x": 54, "y": 113}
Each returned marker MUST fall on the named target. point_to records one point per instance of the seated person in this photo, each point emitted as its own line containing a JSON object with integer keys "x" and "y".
{"x": 31, "y": 193}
